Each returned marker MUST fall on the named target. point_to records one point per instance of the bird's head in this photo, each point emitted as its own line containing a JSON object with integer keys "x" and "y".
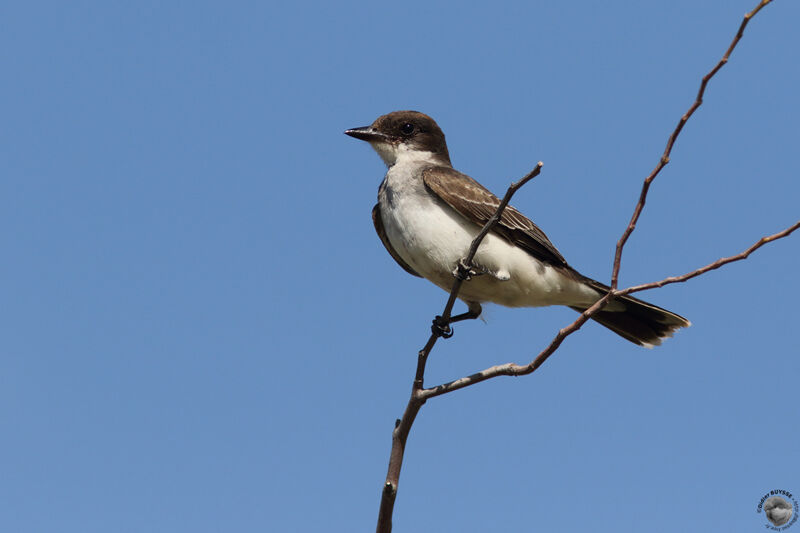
{"x": 405, "y": 135}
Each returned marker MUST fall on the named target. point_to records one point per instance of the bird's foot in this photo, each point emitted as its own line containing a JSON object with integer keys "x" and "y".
{"x": 465, "y": 272}
{"x": 441, "y": 328}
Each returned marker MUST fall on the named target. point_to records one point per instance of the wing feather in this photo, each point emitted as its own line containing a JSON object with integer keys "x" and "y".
{"x": 478, "y": 204}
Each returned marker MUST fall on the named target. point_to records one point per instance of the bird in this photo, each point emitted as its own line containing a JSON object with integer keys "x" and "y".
{"x": 428, "y": 213}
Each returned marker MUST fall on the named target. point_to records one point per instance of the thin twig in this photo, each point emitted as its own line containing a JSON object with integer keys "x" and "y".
{"x": 712, "y": 266}
{"x": 403, "y": 425}
{"x": 419, "y": 394}
{"x": 513, "y": 369}
{"x": 671, "y": 142}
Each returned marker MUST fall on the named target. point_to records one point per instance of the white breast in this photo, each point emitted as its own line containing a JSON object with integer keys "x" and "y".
{"x": 431, "y": 237}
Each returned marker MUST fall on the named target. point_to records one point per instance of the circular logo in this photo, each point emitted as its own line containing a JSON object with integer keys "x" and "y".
{"x": 780, "y": 508}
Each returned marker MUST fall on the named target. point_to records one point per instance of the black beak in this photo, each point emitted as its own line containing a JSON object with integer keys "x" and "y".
{"x": 367, "y": 133}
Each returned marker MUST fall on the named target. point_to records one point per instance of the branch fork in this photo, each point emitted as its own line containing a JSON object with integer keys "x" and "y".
{"x": 465, "y": 270}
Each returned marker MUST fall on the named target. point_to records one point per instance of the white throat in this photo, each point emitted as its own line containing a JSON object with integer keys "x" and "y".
{"x": 402, "y": 153}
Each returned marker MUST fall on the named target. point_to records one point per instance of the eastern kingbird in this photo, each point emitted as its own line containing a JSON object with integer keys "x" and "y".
{"x": 428, "y": 213}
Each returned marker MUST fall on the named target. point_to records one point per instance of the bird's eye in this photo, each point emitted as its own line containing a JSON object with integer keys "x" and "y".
{"x": 407, "y": 128}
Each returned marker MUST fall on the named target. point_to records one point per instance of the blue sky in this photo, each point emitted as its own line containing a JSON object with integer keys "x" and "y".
{"x": 201, "y": 331}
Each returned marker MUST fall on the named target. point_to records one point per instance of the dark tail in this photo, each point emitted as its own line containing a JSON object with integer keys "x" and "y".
{"x": 640, "y": 322}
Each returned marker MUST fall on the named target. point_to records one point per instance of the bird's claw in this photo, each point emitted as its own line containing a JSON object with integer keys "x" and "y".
{"x": 440, "y": 328}
{"x": 464, "y": 272}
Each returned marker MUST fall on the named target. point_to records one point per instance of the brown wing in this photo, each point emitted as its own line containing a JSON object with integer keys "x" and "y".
{"x": 478, "y": 204}
{"x": 378, "y": 221}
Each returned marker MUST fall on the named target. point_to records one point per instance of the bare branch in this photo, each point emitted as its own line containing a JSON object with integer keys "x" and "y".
{"x": 403, "y": 426}
{"x": 668, "y": 150}
{"x": 712, "y": 266}
{"x": 513, "y": 369}
{"x": 419, "y": 394}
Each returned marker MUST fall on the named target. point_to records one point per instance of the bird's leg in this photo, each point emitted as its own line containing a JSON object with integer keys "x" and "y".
{"x": 441, "y": 327}
{"x": 474, "y": 312}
